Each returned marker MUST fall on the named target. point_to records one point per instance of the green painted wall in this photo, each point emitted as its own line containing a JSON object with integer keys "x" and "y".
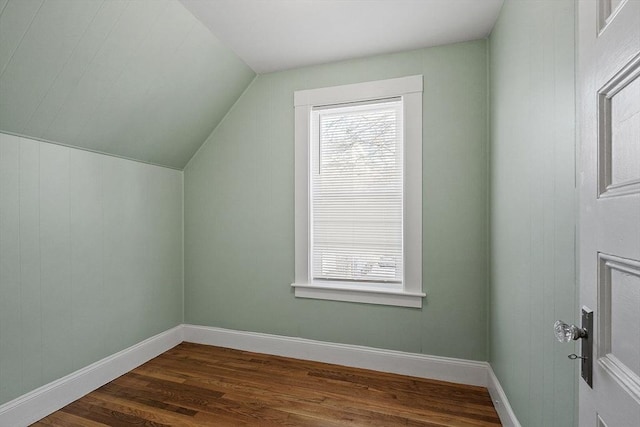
{"x": 90, "y": 259}
{"x": 141, "y": 79}
{"x": 533, "y": 207}
{"x": 239, "y": 198}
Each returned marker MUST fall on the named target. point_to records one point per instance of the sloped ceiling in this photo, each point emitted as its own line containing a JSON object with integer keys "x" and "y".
{"x": 141, "y": 79}
{"x": 280, "y": 34}
{"x": 147, "y": 80}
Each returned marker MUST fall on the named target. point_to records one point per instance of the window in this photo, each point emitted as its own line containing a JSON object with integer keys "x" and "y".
{"x": 358, "y": 209}
{"x": 356, "y": 194}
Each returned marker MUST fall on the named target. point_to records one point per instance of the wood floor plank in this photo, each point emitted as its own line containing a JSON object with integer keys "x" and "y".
{"x": 198, "y": 385}
{"x": 63, "y": 419}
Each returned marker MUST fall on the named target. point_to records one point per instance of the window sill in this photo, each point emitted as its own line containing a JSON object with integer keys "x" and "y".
{"x": 359, "y": 294}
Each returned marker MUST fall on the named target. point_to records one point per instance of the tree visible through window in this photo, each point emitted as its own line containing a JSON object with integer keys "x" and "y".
{"x": 357, "y": 193}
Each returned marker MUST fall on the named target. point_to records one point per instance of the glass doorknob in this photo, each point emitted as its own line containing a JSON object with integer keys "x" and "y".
{"x": 566, "y": 333}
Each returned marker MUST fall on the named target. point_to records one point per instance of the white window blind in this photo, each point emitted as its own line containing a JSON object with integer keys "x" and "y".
{"x": 356, "y": 204}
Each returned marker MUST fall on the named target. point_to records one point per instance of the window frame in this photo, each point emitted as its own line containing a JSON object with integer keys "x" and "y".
{"x": 409, "y": 90}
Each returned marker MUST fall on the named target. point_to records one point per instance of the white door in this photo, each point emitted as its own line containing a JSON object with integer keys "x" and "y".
{"x": 609, "y": 185}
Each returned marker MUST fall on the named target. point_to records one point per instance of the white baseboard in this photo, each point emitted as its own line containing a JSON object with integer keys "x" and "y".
{"x": 418, "y": 365}
{"x": 42, "y": 401}
{"x": 397, "y": 362}
{"x": 500, "y": 401}
{"x": 51, "y": 397}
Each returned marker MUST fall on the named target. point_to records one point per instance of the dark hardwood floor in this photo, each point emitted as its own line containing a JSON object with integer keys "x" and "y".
{"x": 195, "y": 385}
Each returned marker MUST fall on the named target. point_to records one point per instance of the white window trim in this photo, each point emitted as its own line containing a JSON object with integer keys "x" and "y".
{"x": 410, "y": 90}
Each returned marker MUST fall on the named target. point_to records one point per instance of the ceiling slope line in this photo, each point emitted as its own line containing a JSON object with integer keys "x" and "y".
{"x": 3, "y": 8}
{"x": 224, "y": 118}
{"x": 62, "y": 68}
{"x": 89, "y": 150}
{"x": 143, "y": 39}
{"x": 33, "y": 18}
{"x": 84, "y": 72}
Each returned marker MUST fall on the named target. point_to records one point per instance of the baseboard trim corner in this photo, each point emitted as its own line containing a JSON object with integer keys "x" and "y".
{"x": 49, "y": 398}
{"x": 500, "y": 401}
{"x": 397, "y": 362}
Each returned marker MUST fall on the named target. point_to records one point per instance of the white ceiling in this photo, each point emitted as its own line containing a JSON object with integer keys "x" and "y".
{"x": 272, "y": 35}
